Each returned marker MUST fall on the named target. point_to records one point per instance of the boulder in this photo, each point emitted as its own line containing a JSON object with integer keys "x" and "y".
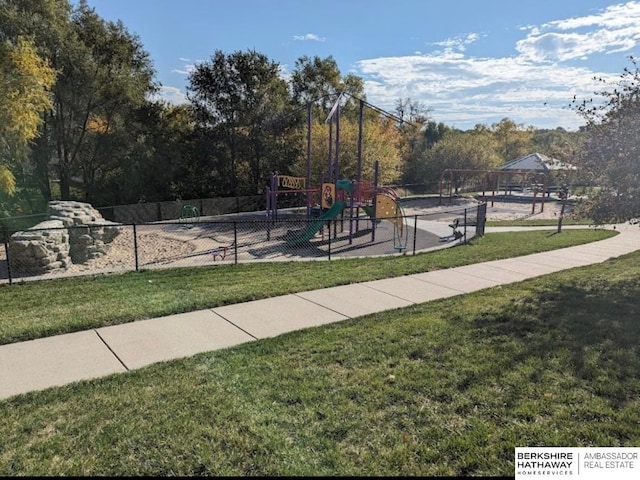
{"x": 75, "y": 232}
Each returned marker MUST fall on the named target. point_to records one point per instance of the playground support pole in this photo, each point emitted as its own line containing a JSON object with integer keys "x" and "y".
{"x": 337, "y": 166}
{"x": 330, "y": 159}
{"x": 308, "y": 158}
{"x": 544, "y": 182}
{"x": 375, "y": 190}
{"x": 360, "y": 119}
{"x": 274, "y": 196}
{"x": 351, "y": 202}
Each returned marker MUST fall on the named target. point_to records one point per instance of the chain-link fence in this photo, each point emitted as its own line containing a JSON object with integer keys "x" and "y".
{"x": 41, "y": 253}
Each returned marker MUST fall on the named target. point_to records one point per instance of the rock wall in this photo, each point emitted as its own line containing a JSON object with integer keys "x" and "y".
{"x": 74, "y": 233}
{"x": 89, "y": 233}
{"x": 40, "y": 251}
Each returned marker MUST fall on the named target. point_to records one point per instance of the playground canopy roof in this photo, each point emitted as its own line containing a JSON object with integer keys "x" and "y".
{"x": 537, "y": 162}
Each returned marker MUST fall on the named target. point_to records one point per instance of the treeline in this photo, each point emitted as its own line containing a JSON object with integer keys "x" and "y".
{"x": 78, "y": 120}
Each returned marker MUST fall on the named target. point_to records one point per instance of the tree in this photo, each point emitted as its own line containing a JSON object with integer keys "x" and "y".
{"x": 238, "y": 98}
{"x": 103, "y": 81}
{"x": 319, "y": 81}
{"x": 412, "y": 111}
{"x": 513, "y": 140}
{"x": 458, "y": 150}
{"x": 417, "y": 140}
{"x": 47, "y": 23}
{"x": 162, "y": 136}
{"x": 25, "y": 80}
{"x": 103, "y": 75}
{"x": 381, "y": 142}
{"x": 611, "y": 151}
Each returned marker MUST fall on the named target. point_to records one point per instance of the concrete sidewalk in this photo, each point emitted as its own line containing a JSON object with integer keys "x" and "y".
{"x": 63, "y": 359}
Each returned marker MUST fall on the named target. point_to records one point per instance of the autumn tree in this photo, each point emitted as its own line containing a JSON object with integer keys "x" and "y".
{"x": 380, "y": 142}
{"x": 512, "y": 140}
{"x": 103, "y": 75}
{"x": 25, "y": 80}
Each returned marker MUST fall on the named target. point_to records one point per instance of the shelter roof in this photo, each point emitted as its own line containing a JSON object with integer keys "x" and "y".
{"x": 537, "y": 161}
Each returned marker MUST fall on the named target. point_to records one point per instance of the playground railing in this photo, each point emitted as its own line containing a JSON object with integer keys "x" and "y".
{"x": 38, "y": 254}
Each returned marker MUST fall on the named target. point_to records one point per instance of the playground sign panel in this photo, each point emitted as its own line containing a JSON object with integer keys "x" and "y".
{"x": 295, "y": 183}
{"x": 328, "y": 195}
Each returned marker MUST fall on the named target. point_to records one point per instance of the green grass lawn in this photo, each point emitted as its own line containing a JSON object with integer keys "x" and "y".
{"x": 448, "y": 387}
{"x": 542, "y": 222}
{"x": 39, "y": 309}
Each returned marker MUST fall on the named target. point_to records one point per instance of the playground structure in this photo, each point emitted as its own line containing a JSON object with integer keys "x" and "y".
{"x": 330, "y": 202}
{"x": 333, "y": 197}
{"x": 496, "y": 181}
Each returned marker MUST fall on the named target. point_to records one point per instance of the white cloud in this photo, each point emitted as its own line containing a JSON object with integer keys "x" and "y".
{"x": 171, "y": 95}
{"x": 185, "y": 70}
{"x": 536, "y": 85}
{"x": 309, "y": 36}
{"x": 458, "y": 43}
{"x": 615, "y": 29}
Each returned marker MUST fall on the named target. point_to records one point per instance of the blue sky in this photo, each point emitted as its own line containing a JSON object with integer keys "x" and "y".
{"x": 468, "y": 61}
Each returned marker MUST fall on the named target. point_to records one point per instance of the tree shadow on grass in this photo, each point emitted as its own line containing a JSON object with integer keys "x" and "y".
{"x": 595, "y": 329}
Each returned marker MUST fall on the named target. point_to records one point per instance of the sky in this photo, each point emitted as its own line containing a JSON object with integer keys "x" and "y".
{"x": 467, "y": 62}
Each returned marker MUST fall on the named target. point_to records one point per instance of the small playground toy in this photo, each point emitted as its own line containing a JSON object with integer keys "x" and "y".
{"x": 189, "y": 215}
{"x": 456, "y": 234}
{"x": 220, "y": 253}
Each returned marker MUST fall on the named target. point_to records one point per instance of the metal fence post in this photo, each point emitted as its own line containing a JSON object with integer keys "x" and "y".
{"x": 6, "y": 251}
{"x": 415, "y": 232}
{"x": 465, "y": 225}
{"x": 235, "y": 242}
{"x": 329, "y": 236}
{"x": 135, "y": 245}
{"x": 481, "y": 216}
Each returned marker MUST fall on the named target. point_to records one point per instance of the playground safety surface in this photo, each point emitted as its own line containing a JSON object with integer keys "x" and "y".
{"x": 63, "y": 359}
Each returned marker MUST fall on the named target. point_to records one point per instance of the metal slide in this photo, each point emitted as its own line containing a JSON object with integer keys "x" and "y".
{"x": 308, "y": 232}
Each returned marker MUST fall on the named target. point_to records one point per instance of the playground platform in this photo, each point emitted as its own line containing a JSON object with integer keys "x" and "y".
{"x": 65, "y": 359}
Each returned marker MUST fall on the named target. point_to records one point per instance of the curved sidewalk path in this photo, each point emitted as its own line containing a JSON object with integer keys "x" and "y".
{"x": 63, "y": 359}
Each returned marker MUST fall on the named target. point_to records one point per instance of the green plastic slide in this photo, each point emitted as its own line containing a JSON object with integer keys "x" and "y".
{"x": 308, "y": 232}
